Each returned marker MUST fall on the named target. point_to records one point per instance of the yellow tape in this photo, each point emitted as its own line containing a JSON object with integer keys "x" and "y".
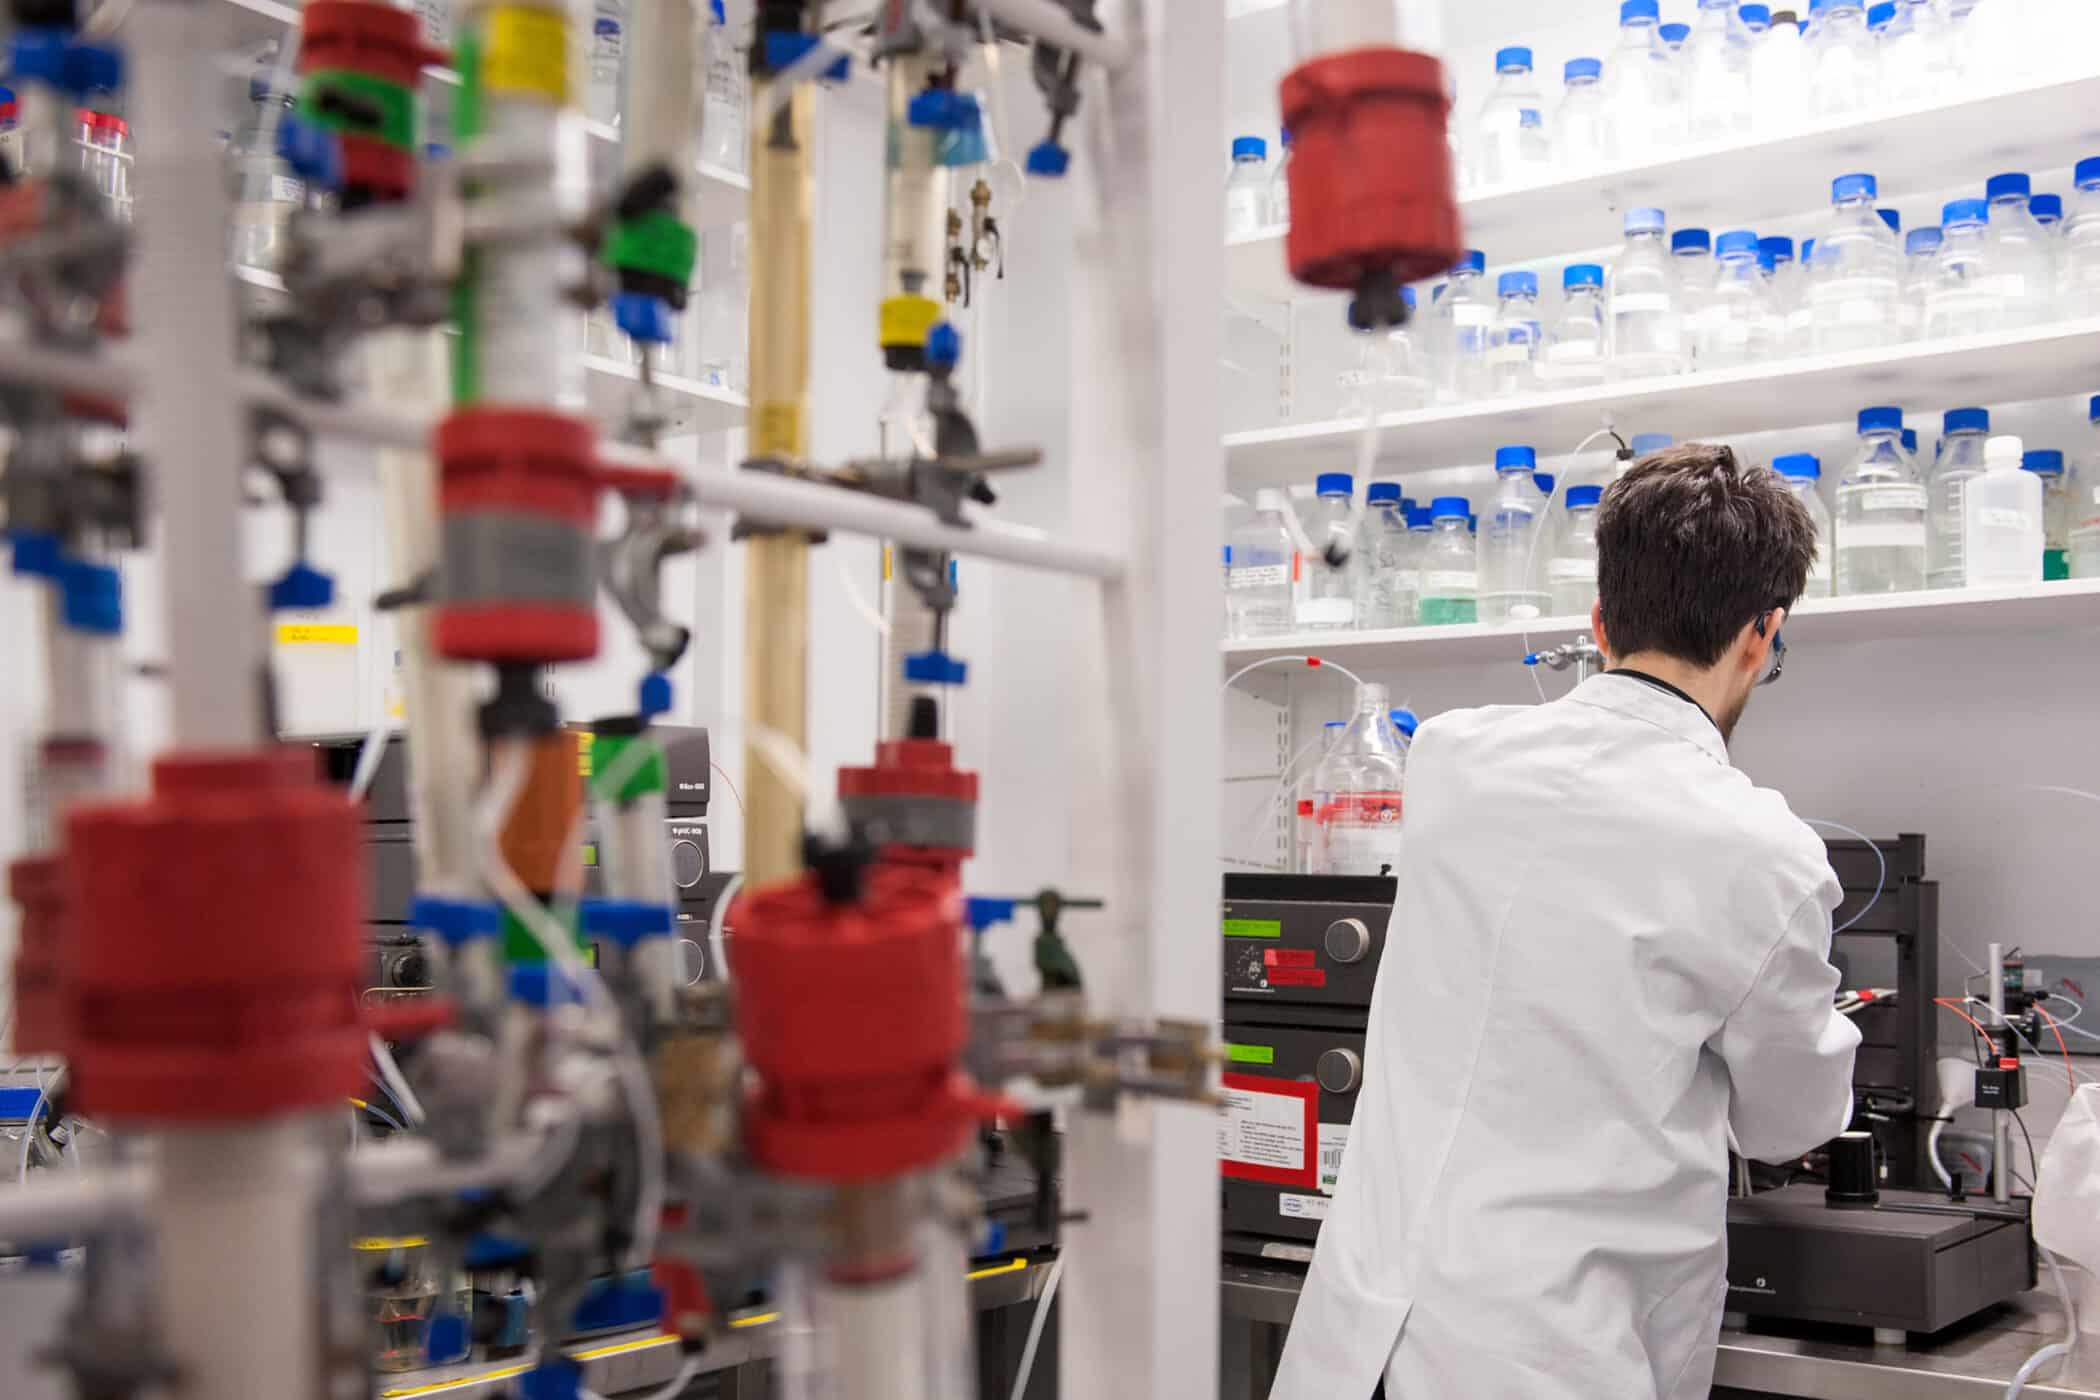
{"x": 341, "y": 634}
{"x": 583, "y": 752}
{"x": 776, "y": 431}
{"x": 885, "y": 563}
{"x": 372, "y": 1243}
{"x": 525, "y": 52}
{"x": 1010, "y": 1266}
{"x": 907, "y": 320}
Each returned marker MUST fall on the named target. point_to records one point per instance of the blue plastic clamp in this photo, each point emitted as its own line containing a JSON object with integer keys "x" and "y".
{"x": 624, "y": 1300}
{"x": 624, "y": 921}
{"x": 939, "y": 108}
{"x": 313, "y": 152}
{"x": 56, "y": 57}
{"x": 446, "y": 1339}
{"x": 964, "y": 143}
{"x": 556, "y": 1378}
{"x": 91, "y": 597}
{"x": 542, "y": 985}
{"x": 943, "y": 346}
{"x": 654, "y": 697}
{"x": 982, "y": 911}
{"x": 1048, "y": 159}
{"x": 642, "y": 316}
{"x": 935, "y": 668}
{"x": 785, "y": 46}
{"x": 37, "y": 554}
{"x": 456, "y": 921}
{"x": 491, "y": 1251}
{"x": 994, "y": 1241}
{"x": 303, "y": 588}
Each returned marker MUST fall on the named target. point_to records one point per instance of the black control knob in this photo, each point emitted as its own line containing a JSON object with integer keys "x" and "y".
{"x": 688, "y": 862}
{"x": 1347, "y": 940}
{"x": 1339, "y": 1071}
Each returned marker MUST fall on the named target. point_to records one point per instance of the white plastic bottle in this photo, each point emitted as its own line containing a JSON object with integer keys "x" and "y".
{"x": 1511, "y": 560}
{"x": 1643, "y": 101}
{"x": 724, "y": 100}
{"x": 1466, "y": 320}
{"x": 1510, "y": 141}
{"x": 1280, "y": 183}
{"x": 1409, "y": 382}
{"x": 1513, "y": 345}
{"x": 1880, "y": 513}
{"x": 1574, "y": 351}
{"x": 1717, "y": 73}
{"x": 1578, "y": 124}
{"x": 1258, "y": 600}
{"x": 1778, "y": 77}
{"x": 2023, "y": 256}
{"x": 1801, "y": 471}
{"x": 1385, "y": 582}
{"x": 1853, "y": 272}
{"x": 2080, "y": 253}
{"x": 1844, "y": 65}
{"x": 1738, "y": 326}
{"x": 603, "y": 96}
{"x": 2047, "y": 464}
{"x": 1959, "y": 461}
{"x": 1326, "y": 593}
{"x": 1646, "y": 331}
{"x": 2002, "y": 520}
{"x": 1691, "y": 253}
{"x": 2082, "y": 486}
{"x": 1247, "y": 187}
{"x": 1361, "y": 781}
{"x": 1450, "y": 587}
{"x": 1921, "y": 250}
{"x": 1572, "y": 575}
{"x": 1964, "y": 296}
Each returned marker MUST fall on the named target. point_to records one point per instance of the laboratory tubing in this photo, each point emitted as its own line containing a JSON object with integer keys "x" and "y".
{"x": 1643, "y": 98}
{"x": 1959, "y": 461}
{"x": 1921, "y": 250}
{"x": 602, "y": 99}
{"x": 1280, "y": 182}
{"x": 1717, "y": 73}
{"x": 1880, "y": 512}
{"x": 1571, "y": 575}
{"x": 1385, "y": 584}
{"x": 1964, "y": 295}
{"x": 1326, "y": 590}
{"x": 2047, "y": 464}
{"x": 725, "y": 100}
{"x": 2083, "y": 488}
{"x": 1853, "y": 271}
{"x": 1738, "y": 326}
{"x": 1465, "y": 324}
{"x": 2002, "y": 534}
{"x": 1509, "y": 561}
{"x": 1361, "y": 780}
{"x": 2080, "y": 253}
{"x": 1513, "y": 344}
{"x": 1574, "y": 350}
{"x": 1646, "y": 332}
{"x": 1801, "y": 472}
{"x": 1691, "y": 254}
{"x": 1578, "y": 132}
{"x": 1778, "y": 67}
{"x": 1450, "y": 586}
{"x": 1510, "y": 142}
{"x": 1247, "y": 187}
{"x": 1261, "y": 563}
{"x": 2023, "y": 256}
{"x": 1844, "y": 62}
{"x": 1408, "y": 373}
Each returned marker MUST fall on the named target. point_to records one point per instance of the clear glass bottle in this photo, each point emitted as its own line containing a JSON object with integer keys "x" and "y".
{"x": 1963, "y": 297}
{"x": 1450, "y": 587}
{"x": 2080, "y": 253}
{"x": 1646, "y": 331}
{"x": 1880, "y": 513}
{"x": 1247, "y": 187}
{"x": 1717, "y": 73}
{"x": 1327, "y": 593}
{"x": 1992, "y": 41}
{"x": 1508, "y": 559}
{"x": 725, "y": 99}
{"x": 1418, "y": 531}
{"x": 2048, "y": 466}
{"x": 1963, "y": 432}
{"x": 1801, "y": 472}
{"x": 2023, "y": 257}
{"x": 2002, "y": 533}
{"x": 724, "y": 342}
{"x": 1691, "y": 253}
{"x": 1779, "y": 77}
{"x": 2082, "y": 487}
{"x": 1844, "y": 64}
{"x": 1739, "y": 327}
{"x": 1853, "y": 272}
{"x": 1408, "y": 370}
{"x": 1260, "y": 560}
{"x": 1280, "y": 183}
{"x": 1465, "y": 319}
{"x": 11, "y": 132}
{"x": 1385, "y": 582}
{"x": 1571, "y": 577}
{"x": 1789, "y": 294}
{"x": 1574, "y": 350}
{"x": 1912, "y": 62}
{"x": 602, "y": 98}
{"x": 1921, "y": 252}
{"x": 1643, "y": 100}
{"x": 1361, "y": 779}
{"x": 265, "y": 191}
{"x": 1510, "y": 143}
{"x": 1513, "y": 345}
{"x": 1578, "y": 124}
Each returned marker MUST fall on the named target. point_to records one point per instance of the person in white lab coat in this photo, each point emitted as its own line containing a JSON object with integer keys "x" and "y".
{"x": 1610, "y": 949}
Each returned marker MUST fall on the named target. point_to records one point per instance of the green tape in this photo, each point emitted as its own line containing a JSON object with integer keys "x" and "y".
{"x": 1254, "y": 928}
{"x": 466, "y": 124}
{"x": 1250, "y": 1054}
{"x": 521, "y": 947}
{"x": 657, "y": 243}
{"x": 648, "y": 775}
{"x": 398, "y": 113}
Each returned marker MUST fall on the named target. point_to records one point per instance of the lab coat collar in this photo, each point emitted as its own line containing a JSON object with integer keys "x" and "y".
{"x": 1640, "y": 700}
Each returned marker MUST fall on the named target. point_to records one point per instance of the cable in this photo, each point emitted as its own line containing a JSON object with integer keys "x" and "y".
{"x": 2033, "y": 1164}
{"x": 368, "y": 755}
{"x": 1277, "y": 660}
{"x": 395, "y": 1082}
{"x": 714, "y": 926}
{"x": 1881, "y": 873}
{"x": 1932, "y": 1153}
{"x": 729, "y": 783}
{"x": 1035, "y": 1327}
{"x": 381, "y": 1114}
{"x": 669, "y": 1390}
{"x": 1531, "y": 557}
{"x": 2054, "y": 1350}
{"x": 2069, "y": 1077}
{"x": 857, "y": 600}
{"x": 1955, "y": 1007}
{"x": 43, "y": 1095}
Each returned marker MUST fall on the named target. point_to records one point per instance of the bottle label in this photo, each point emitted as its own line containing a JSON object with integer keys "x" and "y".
{"x": 1358, "y": 809}
{"x": 286, "y": 190}
{"x": 1326, "y": 612}
{"x": 1890, "y": 498}
{"x": 1515, "y": 353}
{"x": 1259, "y": 576}
{"x": 1882, "y": 535}
{"x": 1471, "y": 314}
{"x": 1571, "y": 570}
{"x": 1449, "y": 581}
{"x": 1571, "y": 352}
{"x": 2001, "y": 518}
{"x": 1627, "y": 302}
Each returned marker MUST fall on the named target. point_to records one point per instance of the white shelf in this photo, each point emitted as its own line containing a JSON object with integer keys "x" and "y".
{"x": 693, "y": 407}
{"x": 1748, "y": 183}
{"x": 2066, "y": 605}
{"x": 2001, "y": 366}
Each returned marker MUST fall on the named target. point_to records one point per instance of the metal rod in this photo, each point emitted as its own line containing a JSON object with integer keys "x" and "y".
{"x": 2001, "y": 1138}
{"x": 1048, "y": 21}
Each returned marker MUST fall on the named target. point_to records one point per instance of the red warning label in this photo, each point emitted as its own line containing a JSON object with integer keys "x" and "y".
{"x": 1297, "y": 976}
{"x": 1288, "y": 957}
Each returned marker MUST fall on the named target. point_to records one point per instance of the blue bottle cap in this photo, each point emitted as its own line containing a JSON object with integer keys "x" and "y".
{"x": 1633, "y": 10}
{"x": 1781, "y": 249}
{"x": 605, "y": 25}
{"x": 1644, "y": 220}
{"x": 1579, "y": 496}
{"x": 1048, "y": 159}
{"x": 1510, "y": 459}
{"x": 716, "y": 13}
{"x": 1737, "y": 240}
{"x": 1407, "y": 297}
{"x": 1334, "y": 484}
{"x": 1577, "y": 69}
{"x": 1965, "y": 211}
{"x": 1808, "y": 249}
{"x": 1473, "y": 261}
{"x": 1449, "y": 508}
{"x": 1766, "y": 263}
{"x": 1879, "y": 15}
{"x": 943, "y": 345}
{"x": 1581, "y": 275}
{"x": 1893, "y": 219}
{"x": 1644, "y": 443}
{"x": 1404, "y": 720}
{"x": 1801, "y": 464}
{"x": 1283, "y": 137}
{"x": 1754, "y": 14}
{"x": 302, "y": 587}
{"x": 1966, "y": 420}
{"x": 91, "y": 597}
{"x": 2004, "y": 186}
{"x": 1249, "y": 148}
{"x": 1409, "y": 504}
{"x": 1910, "y": 441}
{"x": 1382, "y": 491}
{"x": 2046, "y": 460}
{"x": 2086, "y": 172}
{"x": 1859, "y": 186}
{"x": 1691, "y": 238}
{"x": 1418, "y": 518}
{"x": 1546, "y": 482}
{"x": 2046, "y": 208}
{"x": 653, "y": 696}
{"x": 1675, "y": 34}
{"x": 2092, "y": 410}
{"x": 1515, "y": 56}
{"x": 1922, "y": 240}
{"x": 642, "y": 316}
{"x": 1881, "y": 419}
{"x": 1511, "y": 284}
{"x": 935, "y": 668}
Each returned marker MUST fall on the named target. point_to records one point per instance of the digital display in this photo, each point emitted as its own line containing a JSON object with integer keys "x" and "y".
{"x": 1254, "y": 928}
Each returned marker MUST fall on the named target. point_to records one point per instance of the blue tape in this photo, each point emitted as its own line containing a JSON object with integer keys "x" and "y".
{"x": 625, "y": 921}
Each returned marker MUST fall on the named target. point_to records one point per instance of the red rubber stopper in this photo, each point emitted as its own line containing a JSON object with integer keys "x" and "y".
{"x": 364, "y": 36}
{"x": 1370, "y": 170}
{"x": 910, "y": 768}
{"x": 385, "y": 172}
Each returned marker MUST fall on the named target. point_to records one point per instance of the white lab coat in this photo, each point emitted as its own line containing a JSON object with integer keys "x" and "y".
{"x": 1609, "y": 948}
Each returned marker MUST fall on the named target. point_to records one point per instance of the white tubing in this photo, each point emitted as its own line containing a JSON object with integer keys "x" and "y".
{"x": 1052, "y": 22}
{"x": 2054, "y": 1350}
{"x": 396, "y": 1082}
{"x": 1035, "y": 1327}
{"x": 58, "y": 1205}
{"x": 1932, "y": 1153}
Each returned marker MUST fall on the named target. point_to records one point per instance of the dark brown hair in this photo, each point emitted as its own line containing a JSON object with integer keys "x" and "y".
{"x": 1691, "y": 547}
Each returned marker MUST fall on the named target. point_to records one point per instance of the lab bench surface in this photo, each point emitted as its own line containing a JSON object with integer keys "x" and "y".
{"x": 1968, "y": 1361}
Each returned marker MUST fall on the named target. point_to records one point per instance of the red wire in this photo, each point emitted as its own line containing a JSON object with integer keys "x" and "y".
{"x": 730, "y": 783}
{"x": 1955, "y": 1007}
{"x": 2073, "y": 1078}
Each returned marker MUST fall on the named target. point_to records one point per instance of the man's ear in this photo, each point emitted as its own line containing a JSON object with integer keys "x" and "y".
{"x": 1597, "y": 631}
